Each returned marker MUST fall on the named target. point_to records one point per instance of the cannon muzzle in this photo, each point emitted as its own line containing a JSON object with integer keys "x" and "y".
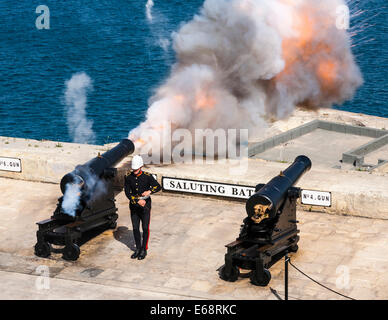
{"x": 98, "y": 166}
{"x": 266, "y": 202}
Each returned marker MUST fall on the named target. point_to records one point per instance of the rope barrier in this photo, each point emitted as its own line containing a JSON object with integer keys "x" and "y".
{"x": 289, "y": 261}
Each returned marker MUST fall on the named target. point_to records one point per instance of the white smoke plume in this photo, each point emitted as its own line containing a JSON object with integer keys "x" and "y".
{"x": 159, "y": 27}
{"x": 95, "y": 187}
{"x": 80, "y": 128}
{"x": 164, "y": 43}
{"x": 71, "y": 199}
{"x": 149, "y": 6}
{"x": 92, "y": 189}
{"x": 242, "y": 62}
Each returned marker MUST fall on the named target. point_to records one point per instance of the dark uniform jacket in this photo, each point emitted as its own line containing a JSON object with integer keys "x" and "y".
{"x": 135, "y": 185}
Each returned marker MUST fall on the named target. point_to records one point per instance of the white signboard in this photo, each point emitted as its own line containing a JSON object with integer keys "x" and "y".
{"x": 207, "y": 188}
{"x": 316, "y": 198}
{"x": 309, "y": 197}
{"x": 10, "y": 164}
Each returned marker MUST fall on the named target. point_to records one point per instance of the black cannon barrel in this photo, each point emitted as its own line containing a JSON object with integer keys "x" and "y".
{"x": 96, "y": 166}
{"x": 274, "y": 193}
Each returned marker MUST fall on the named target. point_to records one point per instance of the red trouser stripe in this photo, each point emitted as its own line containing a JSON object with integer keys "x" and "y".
{"x": 148, "y": 231}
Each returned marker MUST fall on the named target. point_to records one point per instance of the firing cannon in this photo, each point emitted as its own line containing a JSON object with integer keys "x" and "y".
{"x": 88, "y": 203}
{"x": 270, "y": 229}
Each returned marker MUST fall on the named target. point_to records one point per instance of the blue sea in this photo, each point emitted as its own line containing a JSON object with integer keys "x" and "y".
{"x": 113, "y": 43}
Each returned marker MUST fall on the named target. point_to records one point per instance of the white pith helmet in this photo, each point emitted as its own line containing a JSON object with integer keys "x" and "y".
{"x": 137, "y": 162}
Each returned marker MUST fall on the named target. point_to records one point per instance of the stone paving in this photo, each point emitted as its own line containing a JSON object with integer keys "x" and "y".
{"x": 188, "y": 235}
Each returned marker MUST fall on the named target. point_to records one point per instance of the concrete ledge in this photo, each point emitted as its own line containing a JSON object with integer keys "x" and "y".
{"x": 39, "y": 168}
{"x": 45, "y": 161}
{"x": 353, "y": 192}
{"x": 357, "y": 193}
{"x": 382, "y": 167}
{"x": 282, "y": 138}
{"x": 357, "y": 154}
{"x": 354, "y": 156}
{"x": 350, "y": 129}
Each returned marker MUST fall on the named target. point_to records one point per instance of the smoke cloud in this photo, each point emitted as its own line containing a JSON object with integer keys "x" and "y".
{"x": 159, "y": 27}
{"x": 149, "y": 6}
{"x": 90, "y": 188}
{"x": 71, "y": 199}
{"x": 243, "y": 62}
{"x": 79, "y": 127}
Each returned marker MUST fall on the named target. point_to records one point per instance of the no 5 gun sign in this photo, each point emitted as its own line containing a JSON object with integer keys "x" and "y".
{"x": 10, "y": 164}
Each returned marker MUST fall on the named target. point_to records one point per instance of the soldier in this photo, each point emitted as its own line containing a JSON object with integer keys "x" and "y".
{"x": 139, "y": 185}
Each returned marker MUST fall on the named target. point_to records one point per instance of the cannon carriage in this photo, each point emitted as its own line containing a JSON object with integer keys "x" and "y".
{"x": 90, "y": 191}
{"x": 270, "y": 229}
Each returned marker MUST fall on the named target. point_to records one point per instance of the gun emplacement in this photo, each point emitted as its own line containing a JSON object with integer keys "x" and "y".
{"x": 270, "y": 229}
{"x": 88, "y": 202}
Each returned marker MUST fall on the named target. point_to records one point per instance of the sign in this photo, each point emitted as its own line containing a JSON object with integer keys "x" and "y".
{"x": 309, "y": 197}
{"x": 207, "y": 188}
{"x": 10, "y": 164}
{"x": 316, "y": 198}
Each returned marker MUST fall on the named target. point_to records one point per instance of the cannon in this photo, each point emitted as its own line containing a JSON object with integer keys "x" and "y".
{"x": 87, "y": 205}
{"x": 269, "y": 231}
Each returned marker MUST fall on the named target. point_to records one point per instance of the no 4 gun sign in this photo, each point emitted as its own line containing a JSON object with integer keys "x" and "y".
{"x": 316, "y": 198}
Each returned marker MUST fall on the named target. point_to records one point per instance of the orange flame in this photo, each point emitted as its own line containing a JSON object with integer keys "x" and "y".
{"x": 327, "y": 71}
{"x": 204, "y": 100}
{"x": 179, "y": 98}
{"x": 298, "y": 48}
{"x": 139, "y": 142}
{"x": 301, "y": 49}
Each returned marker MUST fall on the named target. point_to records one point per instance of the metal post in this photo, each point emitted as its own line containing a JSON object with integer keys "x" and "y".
{"x": 286, "y": 276}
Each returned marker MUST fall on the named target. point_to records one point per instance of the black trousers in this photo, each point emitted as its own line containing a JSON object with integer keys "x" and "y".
{"x": 143, "y": 215}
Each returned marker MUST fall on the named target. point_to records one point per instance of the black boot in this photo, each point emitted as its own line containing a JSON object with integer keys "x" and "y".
{"x": 142, "y": 254}
{"x": 135, "y": 254}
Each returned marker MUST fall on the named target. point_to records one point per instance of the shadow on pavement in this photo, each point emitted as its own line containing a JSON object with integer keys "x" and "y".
{"x": 125, "y": 236}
